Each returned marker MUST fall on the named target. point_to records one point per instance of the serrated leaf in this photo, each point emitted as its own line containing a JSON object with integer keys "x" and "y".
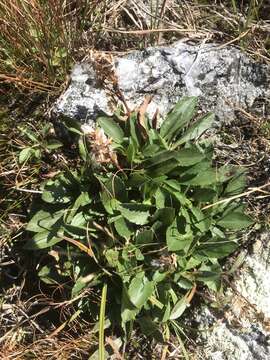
{"x": 201, "y": 221}
{"x": 235, "y": 221}
{"x": 135, "y": 213}
{"x": 181, "y": 114}
{"x": 111, "y": 129}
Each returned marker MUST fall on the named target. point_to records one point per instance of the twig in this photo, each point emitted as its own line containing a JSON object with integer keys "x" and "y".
{"x": 237, "y": 196}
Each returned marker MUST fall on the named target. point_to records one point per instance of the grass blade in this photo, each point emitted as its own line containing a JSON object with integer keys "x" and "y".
{"x": 101, "y": 346}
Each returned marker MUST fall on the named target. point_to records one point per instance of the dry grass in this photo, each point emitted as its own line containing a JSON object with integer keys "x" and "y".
{"x": 41, "y": 39}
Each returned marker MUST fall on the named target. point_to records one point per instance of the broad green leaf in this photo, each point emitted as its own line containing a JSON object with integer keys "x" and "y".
{"x": 165, "y": 215}
{"x": 124, "y": 228}
{"x": 204, "y": 195}
{"x": 43, "y": 220}
{"x": 57, "y": 191}
{"x": 140, "y": 289}
{"x": 205, "y": 178}
{"x": 144, "y": 237}
{"x": 188, "y": 157}
{"x": 202, "y": 221}
{"x": 196, "y": 130}
{"x": 112, "y": 257}
{"x": 111, "y": 129}
{"x": 235, "y": 221}
{"x": 236, "y": 185}
{"x": 210, "y": 275}
{"x": 53, "y": 144}
{"x": 177, "y": 241}
{"x": 128, "y": 310}
{"x": 181, "y": 114}
{"x": 217, "y": 249}
{"x": 159, "y": 158}
{"x": 179, "y": 308}
{"x": 42, "y": 240}
{"x": 163, "y": 168}
{"x": 135, "y": 213}
{"x": 114, "y": 190}
{"x": 151, "y": 150}
{"x": 25, "y": 154}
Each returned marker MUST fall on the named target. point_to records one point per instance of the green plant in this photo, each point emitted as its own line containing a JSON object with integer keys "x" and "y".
{"x": 36, "y": 143}
{"x": 143, "y": 216}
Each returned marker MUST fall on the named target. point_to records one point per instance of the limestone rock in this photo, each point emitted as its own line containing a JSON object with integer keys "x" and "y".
{"x": 224, "y": 79}
{"x": 243, "y": 329}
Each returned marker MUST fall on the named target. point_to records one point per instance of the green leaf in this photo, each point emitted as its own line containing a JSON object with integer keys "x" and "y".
{"x": 53, "y": 144}
{"x": 163, "y": 168}
{"x": 43, "y": 220}
{"x": 43, "y": 240}
{"x": 124, "y": 228}
{"x": 179, "y": 308}
{"x": 205, "y": 178}
{"x": 188, "y": 157}
{"x": 196, "y": 130}
{"x": 56, "y": 191}
{"x": 140, "y": 289}
{"x": 111, "y": 129}
{"x": 181, "y": 114}
{"x": 114, "y": 190}
{"x": 159, "y": 158}
{"x": 217, "y": 249}
{"x": 134, "y": 131}
{"x": 144, "y": 237}
{"x": 177, "y": 241}
{"x": 237, "y": 184}
{"x": 128, "y": 310}
{"x": 165, "y": 215}
{"x": 25, "y": 154}
{"x": 83, "y": 149}
{"x": 235, "y": 221}
{"x": 101, "y": 342}
{"x": 210, "y": 275}
{"x": 112, "y": 257}
{"x": 135, "y": 213}
{"x": 204, "y": 195}
{"x": 201, "y": 221}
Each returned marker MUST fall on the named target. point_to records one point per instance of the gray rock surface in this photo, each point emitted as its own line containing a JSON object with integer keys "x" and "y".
{"x": 242, "y": 331}
{"x": 224, "y": 79}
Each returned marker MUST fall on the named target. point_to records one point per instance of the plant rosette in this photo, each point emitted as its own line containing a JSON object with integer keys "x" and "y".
{"x": 141, "y": 223}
